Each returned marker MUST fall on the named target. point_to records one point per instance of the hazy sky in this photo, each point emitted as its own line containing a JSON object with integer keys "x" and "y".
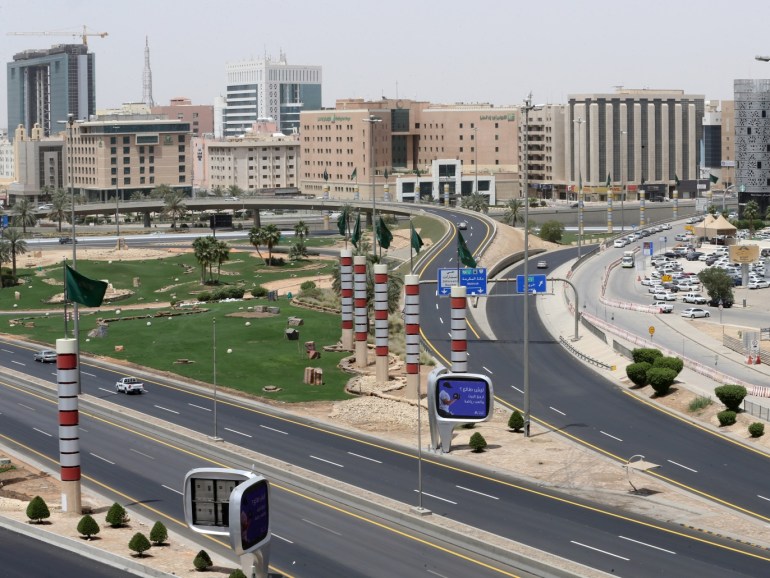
{"x": 435, "y": 50}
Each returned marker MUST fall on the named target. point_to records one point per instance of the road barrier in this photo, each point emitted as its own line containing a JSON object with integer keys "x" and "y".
{"x": 568, "y": 346}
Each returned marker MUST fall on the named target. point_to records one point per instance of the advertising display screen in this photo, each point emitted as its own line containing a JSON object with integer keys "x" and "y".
{"x": 255, "y": 515}
{"x": 462, "y": 397}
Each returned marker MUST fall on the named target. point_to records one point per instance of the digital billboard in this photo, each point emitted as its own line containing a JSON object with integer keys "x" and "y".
{"x": 250, "y": 512}
{"x": 463, "y": 397}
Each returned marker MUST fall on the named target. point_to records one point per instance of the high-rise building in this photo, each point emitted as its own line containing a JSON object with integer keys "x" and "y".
{"x": 38, "y": 165}
{"x": 752, "y": 142}
{"x": 266, "y": 89}
{"x": 45, "y": 86}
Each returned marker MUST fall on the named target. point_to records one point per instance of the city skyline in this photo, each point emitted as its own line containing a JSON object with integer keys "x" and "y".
{"x": 441, "y": 52}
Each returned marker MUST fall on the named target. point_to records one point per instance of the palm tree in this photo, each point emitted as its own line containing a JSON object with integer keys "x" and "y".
{"x": 221, "y": 254}
{"x": 475, "y": 202}
{"x": 301, "y": 230}
{"x": 751, "y": 212}
{"x": 61, "y": 207}
{"x": 16, "y": 245}
{"x": 138, "y": 196}
{"x": 234, "y": 191}
{"x": 271, "y": 235}
{"x": 5, "y": 255}
{"x": 161, "y": 192}
{"x": 513, "y": 212}
{"x": 23, "y": 214}
{"x": 205, "y": 254}
{"x": 175, "y": 207}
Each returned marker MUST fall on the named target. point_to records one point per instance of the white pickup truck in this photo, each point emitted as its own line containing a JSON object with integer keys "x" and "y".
{"x": 664, "y": 306}
{"x": 129, "y": 385}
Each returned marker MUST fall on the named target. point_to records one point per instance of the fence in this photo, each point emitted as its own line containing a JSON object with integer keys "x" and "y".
{"x": 737, "y": 345}
{"x": 583, "y": 356}
{"x": 756, "y": 410}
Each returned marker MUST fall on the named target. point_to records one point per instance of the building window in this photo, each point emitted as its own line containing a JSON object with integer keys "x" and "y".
{"x": 180, "y": 138}
{"x": 114, "y": 171}
{"x": 461, "y": 149}
{"x": 141, "y": 180}
{"x": 181, "y": 178}
{"x": 126, "y": 170}
{"x": 152, "y": 180}
{"x": 126, "y": 150}
{"x": 141, "y": 150}
{"x": 141, "y": 170}
{"x": 113, "y": 150}
{"x": 181, "y": 168}
{"x": 113, "y": 140}
{"x": 126, "y": 160}
{"x": 126, "y": 140}
{"x": 114, "y": 182}
{"x": 113, "y": 161}
{"x": 152, "y": 158}
{"x": 181, "y": 158}
{"x": 126, "y": 180}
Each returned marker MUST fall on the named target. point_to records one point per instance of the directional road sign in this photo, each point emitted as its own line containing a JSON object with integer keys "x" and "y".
{"x": 474, "y": 280}
{"x": 536, "y": 283}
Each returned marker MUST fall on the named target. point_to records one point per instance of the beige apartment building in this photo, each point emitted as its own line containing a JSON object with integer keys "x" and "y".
{"x": 200, "y": 117}
{"x": 413, "y": 143}
{"x": 128, "y": 155}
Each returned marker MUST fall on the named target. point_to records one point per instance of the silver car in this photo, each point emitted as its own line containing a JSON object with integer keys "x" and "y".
{"x": 45, "y": 356}
{"x": 692, "y": 312}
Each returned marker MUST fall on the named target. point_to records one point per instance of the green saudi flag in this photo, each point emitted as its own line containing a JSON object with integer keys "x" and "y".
{"x": 384, "y": 236}
{"x": 465, "y": 256}
{"x": 342, "y": 221}
{"x": 416, "y": 240}
{"x": 81, "y": 289}
{"x": 356, "y": 231}
{"x": 354, "y": 174}
{"x": 609, "y": 181}
{"x": 676, "y": 181}
{"x": 713, "y": 179}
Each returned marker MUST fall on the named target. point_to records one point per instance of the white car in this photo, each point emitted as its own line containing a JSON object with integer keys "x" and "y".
{"x": 618, "y": 243}
{"x": 663, "y": 306}
{"x": 664, "y": 296}
{"x": 666, "y": 226}
{"x": 759, "y": 284}
{"x": 696, "y": 299}
{"x": 693, "y": 312}
{"x": 129, "y": 385}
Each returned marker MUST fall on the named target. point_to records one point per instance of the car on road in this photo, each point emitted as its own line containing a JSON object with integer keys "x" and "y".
{"x": 66, "y": 240}
{"x": 462, "y": 225}
{"x": 45, "y": 356}
{"x": 542, "y": 264}
{"x": 663, "y": 306}
{"x": 693, "y": 312}
{"x": 618, "y": 243}
{"x": 695, "y": 298}
{"x": 46, "y": 207}
{"x": 129, "y": 385}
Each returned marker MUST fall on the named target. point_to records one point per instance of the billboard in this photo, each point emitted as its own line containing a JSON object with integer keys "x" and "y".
{"x": 220, "y": 221}
{"x": 250, "y": 512}
{"x": 463, "y": 397}
{"x": 744, "y": 253}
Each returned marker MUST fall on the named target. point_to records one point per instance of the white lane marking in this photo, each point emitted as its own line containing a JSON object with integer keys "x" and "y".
{"x": 275, "y": 430}
{"x": 322, "y": 527}
{"x": 7, "y": 351}
{"x": 88, "y": 374}
{"x": 556, "y": 410}
{"x": 517, "y": 389}
{"x": 141, "y": 454}
{"x": 365, "y": 458}
{"x": 601, "y": 551}
{"x": 27, "y": 407}
{"x": 112, "y": 391}
{"x": 610, "y": 435}
{"x": 681, "y": 466}
{"x": 172, "y": 490}
{"x": 45, "y": 433}
{"x": 200, "y": 407}
{"x": 18, "y": 362}
{"x": 436, "y": 303}
{"x": 429, "y": 571}
{"x": 240, "y": 433}
{"x": 438, "y": 498}
{"x": 82, "y": 429}
{"x": 441, "y": 320}
{"x": 487, "y": 370}
{"x": 103, "y": 459}
{"x": 327, "y": 461}
{"x": 648, "y": 545}
{"x": 477, "y": 492}
{"x": 764, "y": 498}
{"x": 166, "y": 409}
{"x": 281, "y": 537}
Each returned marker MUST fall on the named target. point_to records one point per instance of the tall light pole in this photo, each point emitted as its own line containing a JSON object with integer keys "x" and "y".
{"x": 372, "y": 120}
{"x": 117, "y": 189}
{"x": 216, "y": 437}
{"x": 476, "y": 159}
{"x": 75, "y": 311}
{"x": 579, "y": 121}
{"x": 623, "y": 160}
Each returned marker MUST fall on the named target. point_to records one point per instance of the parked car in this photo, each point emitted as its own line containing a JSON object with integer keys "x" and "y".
{"x": 695, "y": 298}
{"x": 663, "y": 306}
{"x": 693, "y": 312}
{"x": 694, "y": 255}
{"x": 45, "y": 356}
{"x": 664, "y": 296}
{"x": 129, "y": 385}
{"x": 725, "y": 303}
{"x": 759, "y": 284}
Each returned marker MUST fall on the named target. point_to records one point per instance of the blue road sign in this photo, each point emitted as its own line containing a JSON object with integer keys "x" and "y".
{"x": 4, "y": 222}
{"x": 536, "y": 283}
{"x": 474, "y": 280}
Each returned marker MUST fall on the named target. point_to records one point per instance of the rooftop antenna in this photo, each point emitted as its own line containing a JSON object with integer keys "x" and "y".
{"x": 147, "y": 77}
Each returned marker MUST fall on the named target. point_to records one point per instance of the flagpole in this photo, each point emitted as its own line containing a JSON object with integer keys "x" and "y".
{"x": 411, "y": 248}
{"x": 64, "y": 277}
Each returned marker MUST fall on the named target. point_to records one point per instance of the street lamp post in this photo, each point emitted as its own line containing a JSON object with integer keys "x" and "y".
{"x": 372, "y": 120}
{"x": 476, "y": 159}
{"x": 623, "y": 161}
{"x": 579, "y": 122}
{"x": 75, "y": 311}
{"x": 117, "y": 185}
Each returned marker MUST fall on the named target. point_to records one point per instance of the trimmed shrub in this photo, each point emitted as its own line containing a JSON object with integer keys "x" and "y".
{"x": 731, "y": 396}
{"x": 227, "y": 293}
{"x": 37, "y": 510}
{"x": 259, "y": 291}
{"x": 88, "y": 527}
{"x": 158, "y": 534}
{"x": 204, "y": 296}
{"x": 237, "y": 573}
{"x": 669, "y": 363}
{"x": 139, "y": 544}
{"x": 757, "y": 429}
{"x": 116, "y": 516}
{"x": 661, "y": 379}
{"x": 637, "y": 373}
{"x": 700, "y": 402}
{"x": 726, "y": 417}
{"x": 307, "y": 285}
{"x": 645, "y": 354}
{"x": 202, "y": 561}
{"x": 477, "y": 442}
{"x": 516, "y": 421}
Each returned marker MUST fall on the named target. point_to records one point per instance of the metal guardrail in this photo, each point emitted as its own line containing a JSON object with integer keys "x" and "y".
{"x": 756, "y": 410}
{"x": 583, "y": 356}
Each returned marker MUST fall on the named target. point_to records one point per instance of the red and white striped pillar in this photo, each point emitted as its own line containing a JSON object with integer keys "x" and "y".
{"x": 359, "y": 303}
{"x": 69, "y": 430}
{"x": 346, "y": 285}
{"x": 459, "y": 330}
{"x": 381, "y": 322}
{"x": 412, "y": 328}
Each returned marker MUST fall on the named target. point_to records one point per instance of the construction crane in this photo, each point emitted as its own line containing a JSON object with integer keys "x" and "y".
{"x": 83, "y": 35}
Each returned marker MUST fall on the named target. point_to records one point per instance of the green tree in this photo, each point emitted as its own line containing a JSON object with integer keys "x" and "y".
{"x": 174, "y": 207}
{"x": 88, "y": 527}
{"x": 637, "y": 373}
{"x": 750, "y": 214}
{"x": 16, "y": 245}
{"x": 475, "y": 202}
{"x": 158, "y": 534}
{"x": 726, "y": 417}
{"x": 37, "y": 510}
{"x": 731, "y": 395}
{"x": 646, "y": 354}
{"x": 116, "y": 516}
{"x": 516, "y": 421}
{"x": 138, "y": 196}
{"x": 757, "y": 429}
{"x": 718, "y": 284}
{"x": 301, "y": 230}
{"x": 234, "y": 191}
{"x": 514, "y": 212}
{"x": 661, "y": 379}
{"x": 221, "y": 254}
{"x": 205, "y": 250}
{"x": 477, "y": 442}
{"x": 139, "y": 544}
{"x": 269, "y": 236}
{"x": 552, "y": 231}
{"x": 161, "y": 192}
{"x": 5, "y": 257}
{"x": 673, "y": 363}
{"x": 61, "y": 208}
{"x": 298, "y": 251}
{"x": 237, "y": 573}
{"x": 202, "y": 561}
{"x": 23, "y": 214}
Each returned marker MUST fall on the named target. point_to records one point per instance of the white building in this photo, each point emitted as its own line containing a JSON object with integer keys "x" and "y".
{"x": 267, "y": 89}
{"x": 6, "y": 157}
